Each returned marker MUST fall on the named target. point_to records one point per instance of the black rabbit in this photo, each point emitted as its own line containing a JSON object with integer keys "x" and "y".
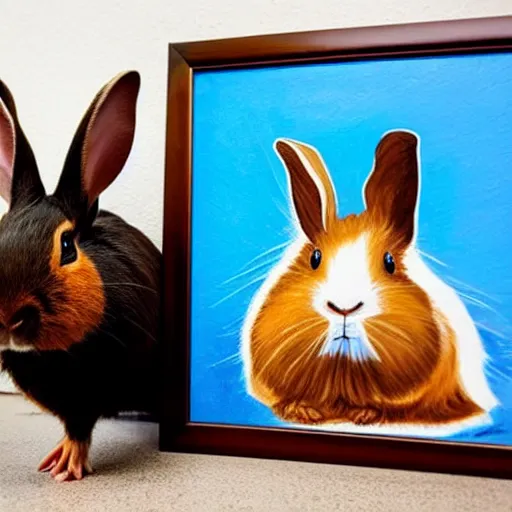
{"x": 79, "y": 287}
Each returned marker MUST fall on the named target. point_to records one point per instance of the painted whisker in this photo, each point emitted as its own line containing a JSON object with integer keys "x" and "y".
{"x": 272, "y": 250}
{"x": 432, "y": 258}
{"x": 233, "y": 358}
{"x": 250, "y": 271}
{"x": 305, "y": 357}
{"x": 239, "y": 290}
{"x": 289, "y": 340}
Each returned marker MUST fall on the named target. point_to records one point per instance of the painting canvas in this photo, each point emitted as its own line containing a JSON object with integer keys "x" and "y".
{"x": 350, "y": 243}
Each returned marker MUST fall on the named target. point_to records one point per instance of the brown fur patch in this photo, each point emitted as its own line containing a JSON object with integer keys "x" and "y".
{"x": 80, "y": 308}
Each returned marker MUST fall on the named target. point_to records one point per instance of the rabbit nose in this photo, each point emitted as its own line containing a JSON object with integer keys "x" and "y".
{"x": 25, "y": 322}
{"x": 344, "y": 312}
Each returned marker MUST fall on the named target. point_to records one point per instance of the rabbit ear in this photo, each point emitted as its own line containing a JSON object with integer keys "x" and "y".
{"x": 20, "y": 182}
{"x": 101, "y": 145}
{"x": 391, "y": 192}
{"x": 7, "y": 145}
{"x": 312, "y": 191}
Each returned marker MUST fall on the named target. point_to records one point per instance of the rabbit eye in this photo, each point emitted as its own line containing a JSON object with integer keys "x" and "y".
{"x": 316, "y": 258}
{"x": 389, "y": 263}
{"x": 68, "y": 252}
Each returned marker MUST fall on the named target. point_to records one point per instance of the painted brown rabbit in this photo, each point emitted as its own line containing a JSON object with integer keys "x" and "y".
{"x": 351, "y": 327}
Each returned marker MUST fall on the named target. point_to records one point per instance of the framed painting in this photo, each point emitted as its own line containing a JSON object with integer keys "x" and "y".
{"x": 338, "y": 280}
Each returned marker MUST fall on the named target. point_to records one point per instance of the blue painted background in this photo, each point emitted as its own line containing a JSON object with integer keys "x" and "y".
{"x": 461, "y": 107}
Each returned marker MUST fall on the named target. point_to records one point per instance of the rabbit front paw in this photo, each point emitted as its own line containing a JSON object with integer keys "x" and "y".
{"x": 364, "y": 415}
{"x": 69, "y": 460}
{"x": 298, "y": 412}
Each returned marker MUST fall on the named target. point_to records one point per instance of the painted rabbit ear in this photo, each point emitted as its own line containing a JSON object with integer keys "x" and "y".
{"x": 20, "y": 182}
{"x": 391, "y": 192}
{"x": 101, "y": 145}
{"x": 312, "y": 191}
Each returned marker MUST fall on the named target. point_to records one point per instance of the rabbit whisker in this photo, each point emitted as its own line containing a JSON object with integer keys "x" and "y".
{"x": 235, "y": 358}
{"x": 477, "y": 302}
{"x": 267, "y": 157}
{"x": 306, "y": 356}
{"x": 396, "y": 335}
{"x": 296, "y": 325}
{"x": 238, "y": 290}
{"x": 497, "y": 372}
{"x": 110, "y": 335}
{"x": 134, "y": 323}
{"x": 231, "y": 324}
{"x": 432, "y": 258}
{"x": 134, "y": 285}
{"x": 395, "y": 288}
{"x": 492, "y": 331}
{"x": 461, "y": 284}
{"x": 291, "y": 272}
{"x": 249, "y": 271}
{"x": 285, "y": 212}
{"x": 463, "y": 294}
{"x": 228, "y": 334}
{"x": 266, "y": 253}
{"x": 289, "y": 341}
{"x": 483, "y": 305}
{"x": 390, "y": 328}
{"x": 381, "y": 348}
{"x": 146, "y": 332}
{"x": 419, "y": 316}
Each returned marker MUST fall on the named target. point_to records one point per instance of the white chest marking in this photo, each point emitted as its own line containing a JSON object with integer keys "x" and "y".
{"x": 350, "y": 341}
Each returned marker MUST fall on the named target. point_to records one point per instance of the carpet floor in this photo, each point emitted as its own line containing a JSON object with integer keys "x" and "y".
{"x": 130, "y": 474}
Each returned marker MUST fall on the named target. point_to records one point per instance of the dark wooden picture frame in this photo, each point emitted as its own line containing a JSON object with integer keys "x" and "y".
{"x": 177, "y": 433}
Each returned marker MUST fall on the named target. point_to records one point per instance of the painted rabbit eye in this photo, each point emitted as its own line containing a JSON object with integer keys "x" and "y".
{"x": 316, "y": 258}
{"x": 68, "y": 252}
{"x": 389, "y": 263}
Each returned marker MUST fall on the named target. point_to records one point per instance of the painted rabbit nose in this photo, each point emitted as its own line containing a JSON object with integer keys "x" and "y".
{"x": 25, "y": 322}
{"x": 341, "y": 311}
